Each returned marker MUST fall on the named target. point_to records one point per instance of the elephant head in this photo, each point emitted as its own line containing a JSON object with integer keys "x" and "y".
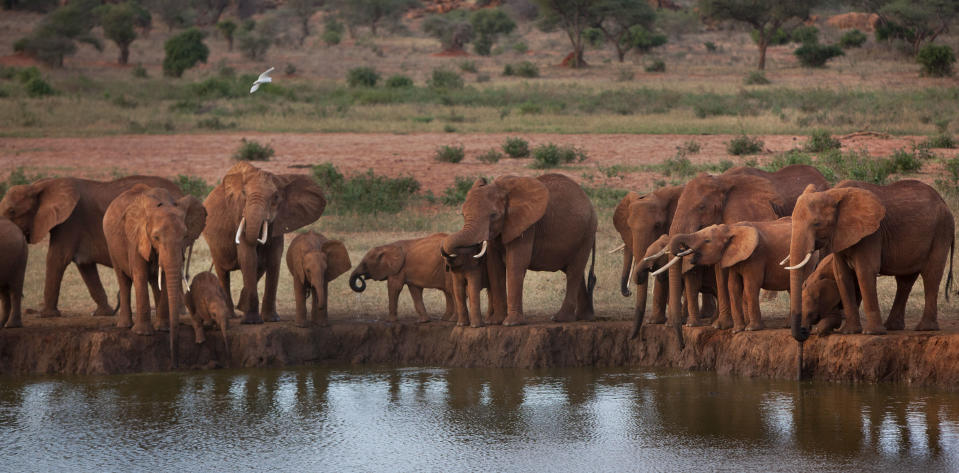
{"x": 323, "y": 265}
{"x": 214, "y": 306}
{"x": 641, "y": 219}
{"x": 831, "y": 220}
{"x": 160, "y": 227}
{"x": 378, "y": 264}
{"x": 38, "y": 207}
{"x": 502, "y": 209}
{"x": 269, "y": 205}
{"x": 820, "y": 296}
{"x": 722, "y": 244}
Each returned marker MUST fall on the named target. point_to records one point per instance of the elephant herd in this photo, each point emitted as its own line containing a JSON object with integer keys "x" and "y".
{"x": 719, "y": 238}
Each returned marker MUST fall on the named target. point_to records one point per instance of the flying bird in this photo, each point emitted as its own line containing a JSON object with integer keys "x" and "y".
{"x": 263, "y": 79}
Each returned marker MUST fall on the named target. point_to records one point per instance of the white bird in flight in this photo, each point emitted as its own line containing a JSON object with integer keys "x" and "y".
{"x": 263, "y": 79}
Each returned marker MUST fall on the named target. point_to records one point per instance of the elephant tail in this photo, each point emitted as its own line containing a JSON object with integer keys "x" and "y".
{"x": 591, "y": 279}
{"x": 952, "y": 250}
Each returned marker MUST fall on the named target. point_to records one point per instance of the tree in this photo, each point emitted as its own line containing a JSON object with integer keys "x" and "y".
{"x": 453, "y": 29}
{"x": 227, "y": 28}
{"x": 573, "y": 17}
{"x": 918, "y": 21}
{"x": 183, "y": 51}
{"x": 303, "y": 10}
{"x": 373, "y": 12}
{"x": 175, "y": 13}
{"x": 764, "y": 16}
{"x": 55, "y": 37}
{"x": 488, "y": 24}
{"x": 619, "y": 17}
{"x": 208, "y": 12}
{"x": 118, "y": 21}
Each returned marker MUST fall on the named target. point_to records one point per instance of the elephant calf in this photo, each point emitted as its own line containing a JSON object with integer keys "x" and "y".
{"x": 314, "y": 261}
{"x": 13, "y": 247}
{"x": 208, "y": 303}
{"x": 415, "y": 263}
{"x": 469, "y": 278}
{"x": 823, "y": 305}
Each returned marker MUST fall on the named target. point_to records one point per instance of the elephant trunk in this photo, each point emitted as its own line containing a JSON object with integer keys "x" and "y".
{"x": 172, "y": 267}
{"x": 675, "y": 301}
{"x": 222, "y": 319}
{"x": 255, "y": 222}
{"x": 640, "y": 310}
{"x": 358, "y": 279}
{"x": 471, "y": 234}
{"x": 800, "y": 246}
{"x": 624, "y": 281}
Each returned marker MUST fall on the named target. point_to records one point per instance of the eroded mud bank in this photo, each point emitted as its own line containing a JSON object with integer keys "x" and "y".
{"x": 92, "y": 346}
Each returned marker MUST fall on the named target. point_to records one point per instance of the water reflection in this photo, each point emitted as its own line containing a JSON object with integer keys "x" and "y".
{"x": 388, "y": 419}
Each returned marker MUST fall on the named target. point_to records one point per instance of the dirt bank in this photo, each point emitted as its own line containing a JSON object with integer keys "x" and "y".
{"x": 87, "y": 345}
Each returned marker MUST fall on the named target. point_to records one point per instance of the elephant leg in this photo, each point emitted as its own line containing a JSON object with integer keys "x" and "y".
{"x": 735, "y": 285}
{"x": 162, "y": 323}
{"x": 450, "y": 306}
{"x": 897, "y": 315}
{"x": 320, "y": 312}
{"x": 16, "y": 298}
{"x": 724, "y": 320}
{"x": 567, "y": 311}
{"x": 141, "y": 324}
{"x": 474, "y": 286}
{"x": 846, "y": 283}
{"x": 394, "y": 286}
{"x": 708, "y": 310}
{"x": 4, "y": 306}
{"x": 930, "y": 286}
{"x": 299, "y": 296}
{"x": 416, "y": 293}
{"x": 660, "y": 293}
{"x": 57, "y": 262}
{"x": 249, "y": 302}
{"x": 273, "y": 257}
{"x": 224, "y": 277}
{"x": 88, "y": 271}
{"x": 124, "y": 313}
{"x": 870, "y": 301}
{"x": 459, "y": 295}
{"x": 517, "y": 261}
{"x": 496, "y": 271}
{"x": 751, "y": 290}
{"x": 585, "y": 310}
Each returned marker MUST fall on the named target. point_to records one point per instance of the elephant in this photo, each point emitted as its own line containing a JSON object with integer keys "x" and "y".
{"x": 751, "y": 253}
{"x": 540, "y": 224}
{"x": 70, "y": 210}
{"x": 738, "y": 195}
{"x": 13, "y": 247}
{"x": 314, "y": 261}
{"x": 208, "y": 303}
{"x": 469, "y": 277}
{"x": 904, "y": 229}
{"x": 148, "y": 229}
{"x": 415, "y": 263}
{"x": 249, "y": 213}
{"x": 822, "y": 304}
{"x": 654, "y": 258}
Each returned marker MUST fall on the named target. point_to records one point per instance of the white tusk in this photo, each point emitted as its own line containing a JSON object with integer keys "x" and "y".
{"x": 784, "y": 261}
{"x": 482, "y": 251}
{"x": 684, "y": 253}
{"x": 802, "y": 263}
{"x": 664, "y": 268}
{"x": 264, "y": 233}
{"x": 160, "y": 278}
{"x": 656, "y": 256}
{"x": 632, "y": 270}
{"x": 620, "y": 247}
{"x": 239, "y": 229}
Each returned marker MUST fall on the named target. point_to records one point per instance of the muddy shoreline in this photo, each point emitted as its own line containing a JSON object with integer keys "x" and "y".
{"x": 87, "y": 345}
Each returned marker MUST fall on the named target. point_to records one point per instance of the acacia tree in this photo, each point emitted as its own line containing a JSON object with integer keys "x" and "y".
{"x": 764, "y": 16}
{"x": 118, "y": 21}
{"x": 922, "y": 21}
{"x": 57, "y": 34}
{"x": 488, "y": 24}
{"x": 373, "y": 12}
{"x": 619, "y": 17}
{"x": 303, "y": 10}
{"x": 453, "y": 29}
{"x": 573, "y": 17}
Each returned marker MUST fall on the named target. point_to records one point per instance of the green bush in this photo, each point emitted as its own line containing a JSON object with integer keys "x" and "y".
{"x": 194, "y": 185}
{"x": 399, "y": 81}
{"x": 816, "y": 55}
{"x": 445, "y": 79}
{"x": 710, "y": 46}
{"x": 644, "y": 40}
{"x": 254, "y": 43}
{"x": 793, "y": 156}
{"x": 852, "y": 39}
{"x": 805, "y": 34}
{"x": 858, "y": 166}
{"x": 941, "y": 140}
{"x": 743, "y": 145}
{"x": 605, "y": 197}
{"x": 516, "y": 147}
{"x": 253, "y": 151}
{"x": 27, "y": 74}
{"x": 490, "y": 156}
{"x": 756, "y": 78}
{"x": 140, "y": 72}
{"x": 468, "y": 66}
{"x": 821, "y": 140}
{"x": 364, "y": 193}
{"x": 455, "y": 194}
{"x": 936, "y": 60}
{"x": 656, "y": 65}
{"x": 551, "y": 155}
{"x": 449, "y": 154}
{"x": 362, "y": 77}
{"x": 38, "y": 87}
{"x": 777, "y": 38}
{"x": 521, "y": 69}
{"x": 904, "y": 161}
{"x": 183, "y": 51}
{"x": 332, "y": 32}
{"x": 18, "y": 177}
{"x": 689, "y": 147}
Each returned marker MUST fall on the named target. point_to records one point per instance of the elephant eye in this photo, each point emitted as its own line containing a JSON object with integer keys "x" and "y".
{"x": 707, "y": 240}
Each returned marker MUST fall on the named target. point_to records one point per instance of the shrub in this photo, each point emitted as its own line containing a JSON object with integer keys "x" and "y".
{"x": 936, "y": 61}
{"x": 516, "y": 147}
{"x": 445, "y": 79}
{"x": 821, "y": 140}
{"x": 793, "y": 156}
{"x": 490, "y": 156}
{"x": 456, "y": 194}
{"x": 453, "y": 29}
{"x": 468, "y": 66}
{"x": 253, "y": 151}
{"x": 551, "y": 155}
{"x": 227, "y": 28}
{"x": 816, "y": 55}
{"x": 710, "y": 46}
{"x": 194, "y": 185}
{"x": 777, "y": 38}
{"x": 756, "y": 78}
{"x": 332, "y": 32}
{"x": 605, "y": 197}
{"x": 689, "y": 147}
{"x": 904, "y": 161}
{"x": 521, "y": 69}
{"x": 644, "y": 40}
{"x": 449, "y": 154}
{"x": 657, "y": 65}
{"x": 805, "y": 35}
{"x": 743, "y": 145}
{"x": 139, "y": 72}
{"x": 399, "y": 81}
{"x": 852, "y": 39}
{"x": 38, "y": 87}
{"x": 362, "y": 77}
{"x": 17, "y": 177}
{"x": 520, "y": 47}
{"x": 183, "y": 51}
{"x": 364, "y": 193}
{"x": 859, "y": 166}
{"x": 489, "y": 24}
{"x": 941, "y": 140}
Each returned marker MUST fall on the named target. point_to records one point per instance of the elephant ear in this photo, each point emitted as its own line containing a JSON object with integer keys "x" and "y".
{"x": 195, "y": 218}
{"x": 743, "y": 240}
{"x": 392, "y": 258}
{"x": 337, "y": 259}
{"x": 235, "y": 177}
{"x": 750, "y": 198}
{"x": 56, "y": 200}
{"x": 526, "y": 204}
{"x": 135, "y": 203}
{"x": 858, "y": 215}
{"x": 621, "y": 217}
{"x": 302, "y": 204}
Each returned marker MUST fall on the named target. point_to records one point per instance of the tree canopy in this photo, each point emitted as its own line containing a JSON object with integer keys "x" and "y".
{"x": 764, "y": 16}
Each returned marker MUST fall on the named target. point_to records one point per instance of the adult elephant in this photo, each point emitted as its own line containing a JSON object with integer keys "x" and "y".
{"x": 740, "y": 194}
{"x": 70, "y": 210}
{"x": 148, "y": 230}
{"x": 249, "y": 213}
{"x": 541, "y": 224}
{"x": 904, "y": 229}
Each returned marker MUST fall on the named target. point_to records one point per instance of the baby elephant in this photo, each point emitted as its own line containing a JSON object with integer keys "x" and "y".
{"x": 13, "y": 247}
{"x": 468, "y": 278}
{"x": 414, "y": 263}
{"x": 207, "y": 303}
{"x": 314, "y": 261}
{"x": 822, "y": 304}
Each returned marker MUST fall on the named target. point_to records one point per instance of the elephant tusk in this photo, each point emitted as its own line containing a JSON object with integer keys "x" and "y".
{"x": 614, "y": 250}
{"x": 160, "y": 278}
{"x": 632, "y": 271}
{"x": 665, "y": 267}
{"x": 264, "y": 233}
{"x": 684, "y": 253}
{"x": 656, "y": 256}
{"x": 784, "y": 261}
{"x": 239, "y": 229}
{"x": 482, "y": 250}
{"x": 802, "y": 263}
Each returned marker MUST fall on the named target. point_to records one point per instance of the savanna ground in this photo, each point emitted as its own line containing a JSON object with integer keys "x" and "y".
{"x": 104, "y": 122}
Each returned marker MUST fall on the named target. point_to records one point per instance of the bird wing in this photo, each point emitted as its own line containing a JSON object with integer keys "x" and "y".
{"x": 265, "y": 76}
{"x": 256, "y": 85}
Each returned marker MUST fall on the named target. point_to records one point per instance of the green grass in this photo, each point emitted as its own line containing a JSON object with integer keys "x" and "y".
{"x": 364, "y": 193}
{"x": 552, "y": 155}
